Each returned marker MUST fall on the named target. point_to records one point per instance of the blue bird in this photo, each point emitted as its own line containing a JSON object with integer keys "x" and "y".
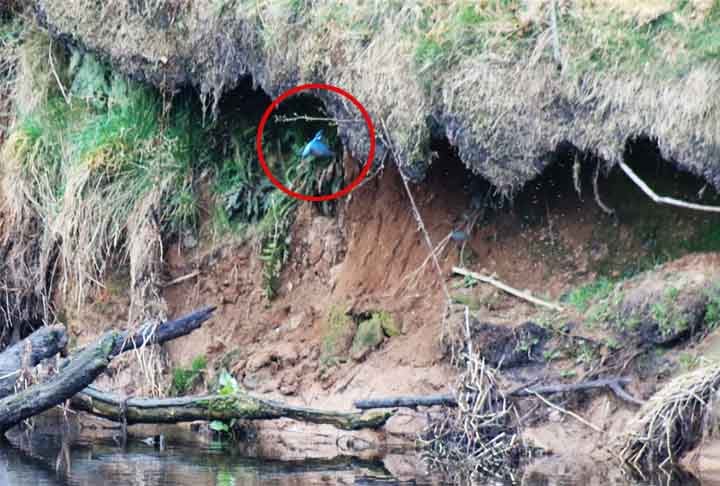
{"x": 316, "y": 148}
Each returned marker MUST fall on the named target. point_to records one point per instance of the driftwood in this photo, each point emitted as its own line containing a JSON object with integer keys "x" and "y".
{"x": 42, "y": 344}
{"x": 510, "y": 290}
{"x": 613, "y": 384}
{"x": 78, "y": 372}
{"x": 214, "y": 407}
{"x": 50, "y": 340}
{"x": 84, "y": 366}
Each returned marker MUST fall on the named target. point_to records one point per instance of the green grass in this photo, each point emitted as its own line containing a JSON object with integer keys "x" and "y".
{"x": 185, "y": 379}
{"x": 582, "y": 297}
{"x": 92, "y": 163}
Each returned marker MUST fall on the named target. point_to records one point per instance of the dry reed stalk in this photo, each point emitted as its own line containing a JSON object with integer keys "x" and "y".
{"x": 676, "y": 419}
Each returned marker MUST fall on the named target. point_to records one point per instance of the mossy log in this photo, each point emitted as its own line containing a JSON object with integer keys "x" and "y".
{"x": 84, "y": 366}
{"x": 215, "y": 407}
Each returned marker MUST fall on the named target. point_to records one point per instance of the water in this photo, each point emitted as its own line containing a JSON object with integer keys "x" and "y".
{"x": 42, "y": 462}
{"x": 44, "y": 458}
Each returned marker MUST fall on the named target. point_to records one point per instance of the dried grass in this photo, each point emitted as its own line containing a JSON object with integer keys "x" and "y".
{"x": 675, "y": 420}
{"x": 483, "y": 74}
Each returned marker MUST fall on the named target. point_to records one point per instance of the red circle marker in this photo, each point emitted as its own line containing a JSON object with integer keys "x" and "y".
{"x": 261, "y": 127}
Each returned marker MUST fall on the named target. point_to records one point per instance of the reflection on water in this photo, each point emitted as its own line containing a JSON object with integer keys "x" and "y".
{"x": 48, "y": 460}
{"x": 139, "y": 464}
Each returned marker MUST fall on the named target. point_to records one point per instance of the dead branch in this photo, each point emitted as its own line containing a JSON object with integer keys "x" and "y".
{"x": 567, "y": 412}
{"x": 614, "y": 384}
{"x": 84, "y": 366}
{"x": 43, "y": 343}
{"x": 662, "y": 199}
{"x": 179, "y": 280}
{"x": 510, "y": 290}
{"x": 296, "y": 117}
{"x": 214, "y": 407}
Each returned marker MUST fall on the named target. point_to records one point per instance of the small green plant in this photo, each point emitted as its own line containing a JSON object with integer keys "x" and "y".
{"x": 227, "y": 386}
{"x": 552, "y": 354}
{"x": 669, "y": 319}
{"x": 185, "y": 379}
{"x": 712, "y": 310}
{"x": 688, "y": 361}
{"x": 586, "y": 354}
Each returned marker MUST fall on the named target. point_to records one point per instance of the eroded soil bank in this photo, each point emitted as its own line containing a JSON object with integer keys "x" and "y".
{"x": 352, "y": 305}
{"x": 301, "y": 347}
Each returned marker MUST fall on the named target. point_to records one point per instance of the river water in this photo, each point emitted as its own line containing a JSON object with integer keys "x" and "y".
{"x": 47, "y": 458}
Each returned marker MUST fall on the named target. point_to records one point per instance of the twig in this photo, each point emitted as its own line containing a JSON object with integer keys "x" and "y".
{"x": 662, "y": 199}
{"x": 507, "y": 288}
{"x": 55, "y": 75}
{"x": 181, "y": 279}
{"x": 418, "y": 218}
{"x": 567, "y": 412}
{"x": 296, "y": 117}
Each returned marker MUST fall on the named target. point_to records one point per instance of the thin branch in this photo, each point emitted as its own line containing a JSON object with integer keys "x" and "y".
{"x": 613, "y": 384}
{"x": 510, "y": 290}
{"x": 296, "y": 117}
{"x": 181, "y": 279}
{"x": 662, "y": 199}
{"x": 418, "y": 217}
{"x": 567, "y": 412}
{"x": 55, "y": 75}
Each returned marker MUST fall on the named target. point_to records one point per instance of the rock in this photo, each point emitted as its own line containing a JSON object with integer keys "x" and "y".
{"x": 286, "y": 353}
{"x": 369, "y": 336}
{"x": 338, "y": 334}
{"x": 258, "y": 380}
{"x": 295, "y": 321}
{"x": 259, "y": 360}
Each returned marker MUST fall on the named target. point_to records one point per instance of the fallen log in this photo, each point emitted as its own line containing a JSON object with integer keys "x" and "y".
{"x": 50, "y": 340}
{"x": 41, "y": 344}
{"x": 84, "y": 366}
{"x": 613, "y": 384}
{"x": 214, "y": 407}
{"x": 78, "y": 373}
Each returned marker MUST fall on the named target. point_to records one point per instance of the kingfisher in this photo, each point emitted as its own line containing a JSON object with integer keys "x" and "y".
{"x": 316, "y": 148}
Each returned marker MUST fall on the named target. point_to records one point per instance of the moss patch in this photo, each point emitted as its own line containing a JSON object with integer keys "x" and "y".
{"x": 338, "y": 333}
{"x": 369, "y": 336}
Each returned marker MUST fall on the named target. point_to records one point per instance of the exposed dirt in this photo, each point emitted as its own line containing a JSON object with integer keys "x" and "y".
{"x": 365, "y": 260}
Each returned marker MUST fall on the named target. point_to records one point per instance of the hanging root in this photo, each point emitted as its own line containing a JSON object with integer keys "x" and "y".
{"x": 596, "y": 192}
{"x": 673, "y": 421}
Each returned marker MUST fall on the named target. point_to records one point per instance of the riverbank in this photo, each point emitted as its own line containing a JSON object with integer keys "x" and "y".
{"x": 126, "y": 201}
